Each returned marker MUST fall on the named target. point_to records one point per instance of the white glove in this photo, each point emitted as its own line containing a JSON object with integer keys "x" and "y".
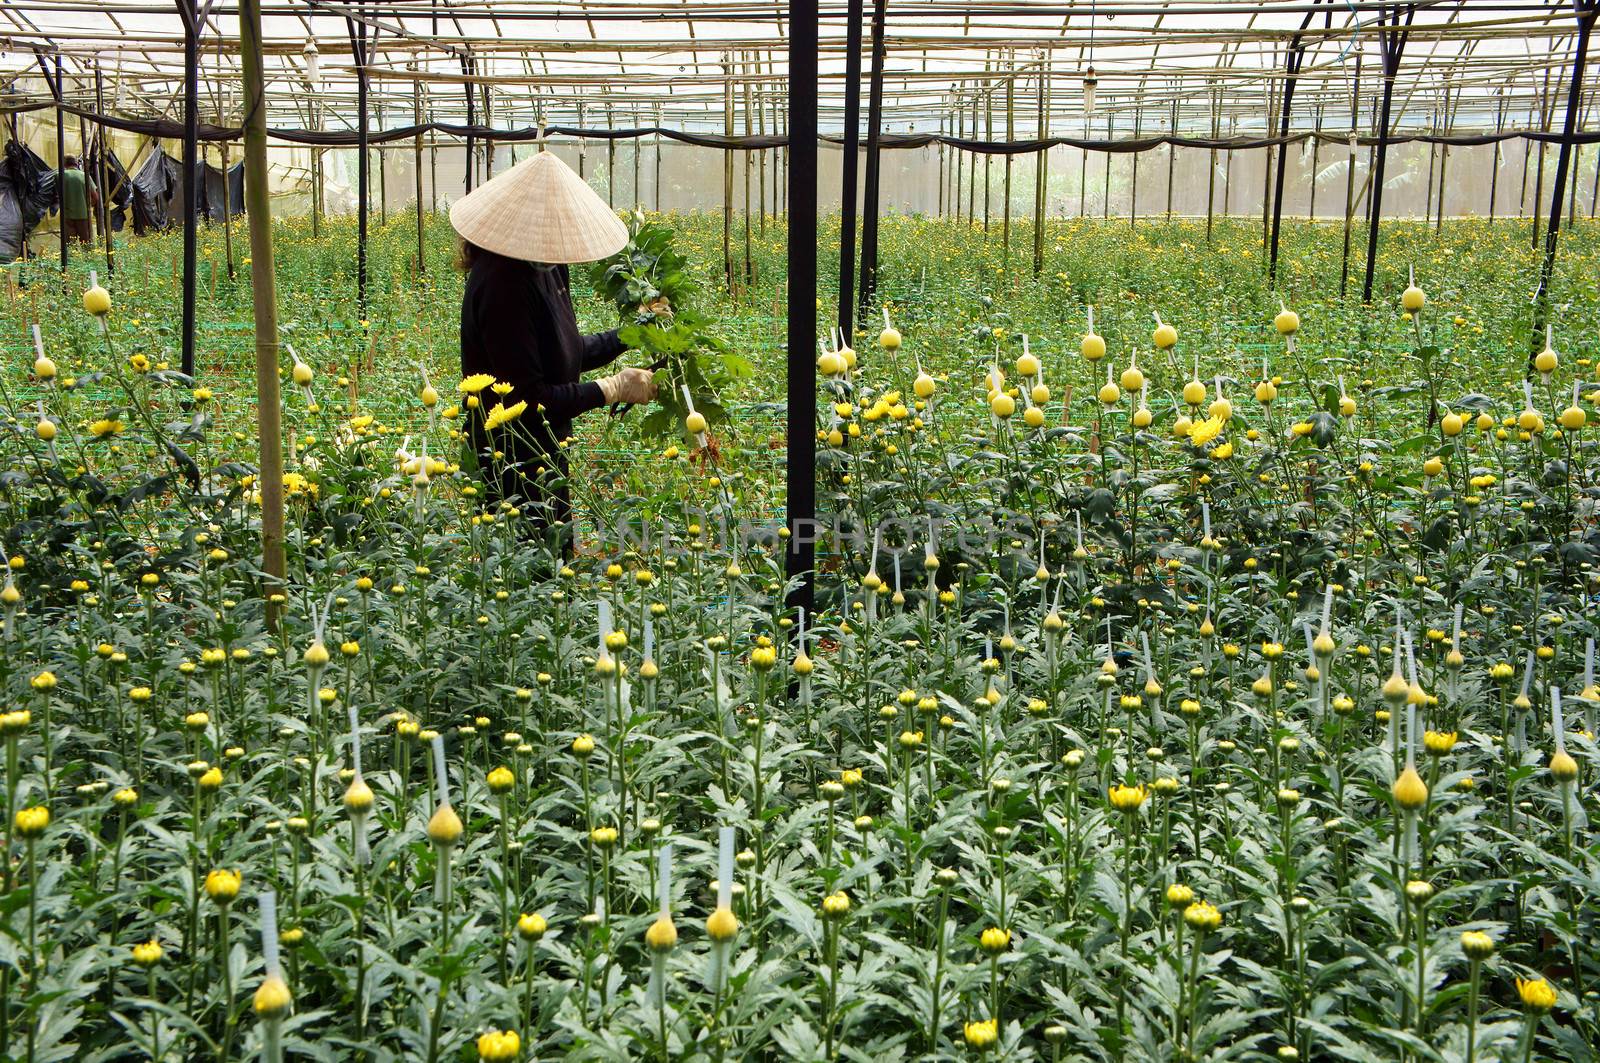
{"x": 629, "y": 385}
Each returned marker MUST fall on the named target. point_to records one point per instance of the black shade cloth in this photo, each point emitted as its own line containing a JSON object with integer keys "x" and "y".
{"x": 166, "y": 128}
{"x": 212, "y": 201}
{"x": 27, "y": 194}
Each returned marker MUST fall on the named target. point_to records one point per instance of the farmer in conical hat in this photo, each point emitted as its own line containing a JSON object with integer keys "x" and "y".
{"x": 518, "y": 233}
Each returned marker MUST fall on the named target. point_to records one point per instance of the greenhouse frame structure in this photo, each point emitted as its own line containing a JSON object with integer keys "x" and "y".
{"x": 996, "y": 80}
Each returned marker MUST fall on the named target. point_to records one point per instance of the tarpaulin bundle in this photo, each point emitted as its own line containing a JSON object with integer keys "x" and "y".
{"x": 27, "y": 194}
{"x": 118, "y": 192}
{"x": 166, "y": 128}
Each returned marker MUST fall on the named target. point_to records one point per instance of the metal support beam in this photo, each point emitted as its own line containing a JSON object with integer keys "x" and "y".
{"x": 1291, "y": 69}
{"x": 851, "y": 162}
{"x": 801, "y": 499}
{"x": 193, "y": 21}
{"x": 869, "y": 206}
{"x": 1392, "y": 41}
{"x": 1585, "y": 11}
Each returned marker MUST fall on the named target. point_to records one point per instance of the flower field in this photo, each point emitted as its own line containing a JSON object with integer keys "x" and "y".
{"x": 1208, "y": 674}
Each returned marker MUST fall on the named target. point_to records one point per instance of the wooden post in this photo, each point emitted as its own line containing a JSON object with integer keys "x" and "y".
{"x": 264, "y": 292}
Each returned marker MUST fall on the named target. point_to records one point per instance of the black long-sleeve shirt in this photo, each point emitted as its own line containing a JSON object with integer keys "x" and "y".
{"x": 517, "y": 323}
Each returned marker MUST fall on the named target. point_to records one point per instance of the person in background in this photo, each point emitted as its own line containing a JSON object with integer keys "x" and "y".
{"x": 79, "y": 199}
{"x": 518, "y": 234}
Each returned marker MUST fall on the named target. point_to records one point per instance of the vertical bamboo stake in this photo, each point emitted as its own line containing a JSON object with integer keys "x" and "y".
{"x": 749, "y": 165}
{"x": 761, "y": 159}
{"x": 227, "y": 214}
{"x": 265, "y": 297}
{"x": 1316, "y": 158}
{"x": 1211, "y": 166}
{"x": 1041, "y": 173}
{"x": 972, "y": 171}
{"x": 961, "y": 132}
{"x": 988, "y": 159}
{"x": 727, "y": 171}
{"x": 416, "y": 166}
{"x": 1011, "y": 134}
{"x": 1172, "y": 154}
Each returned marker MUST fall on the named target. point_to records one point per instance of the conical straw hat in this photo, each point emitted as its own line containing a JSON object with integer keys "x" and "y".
{"x": 539, "y": 211}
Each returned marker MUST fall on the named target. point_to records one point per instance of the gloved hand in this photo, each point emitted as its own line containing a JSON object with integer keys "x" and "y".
{"x": 629, "y": 385}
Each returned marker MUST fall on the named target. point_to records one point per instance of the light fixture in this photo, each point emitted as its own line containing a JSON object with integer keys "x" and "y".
{"x": 313, "y": 65}
{"x": 1090, "y": 82}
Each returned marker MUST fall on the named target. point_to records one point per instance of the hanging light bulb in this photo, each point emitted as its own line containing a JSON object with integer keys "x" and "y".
{"x": 1090, "y": 83}
{"x": 313, "y": 65}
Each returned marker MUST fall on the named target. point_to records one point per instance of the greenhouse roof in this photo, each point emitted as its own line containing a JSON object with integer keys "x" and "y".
{"x": 1199, "y": 66}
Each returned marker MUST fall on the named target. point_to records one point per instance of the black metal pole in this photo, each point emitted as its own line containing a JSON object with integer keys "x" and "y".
{"x": 869, "y": 205}
{"x": 105, "y": 187}
{"x": 1292, "y": 63}
{"x": 800, "y": 557}
{"x": 1350, "y": 177}
{"x": 61, "y": 161}
{"x": 191, "y": 136}
{"x": 1585, "y": 11}
{"x": 1392, "y": 41}
{"x": 358, "y": 43}
{"x": 852, "y": 142}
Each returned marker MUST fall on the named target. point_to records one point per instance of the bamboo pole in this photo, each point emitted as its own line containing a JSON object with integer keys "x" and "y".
{"x": 263, "y": 290}
{"x": 227, "y": 213}
{"x": 1011, "y": 134}
{"x": 416, "y": 160}
{"x": 727, "y": 172}
{"x": 1041, "y": 173}
{"x": 1211, "y": 166}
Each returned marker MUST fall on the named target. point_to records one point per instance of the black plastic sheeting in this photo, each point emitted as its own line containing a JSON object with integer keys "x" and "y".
{"x": 27, "y": 194}
{"x": 214, "y": 198}
{"x": 157, "y": 192}
{"x": 118, "y": 190}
